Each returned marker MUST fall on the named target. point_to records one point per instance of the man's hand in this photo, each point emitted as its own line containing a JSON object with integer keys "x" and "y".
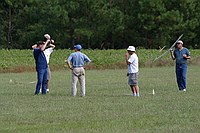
{"x": 52, "y": 41}
{"x": 68, "y": 64}
{"x": 172, "y": 54}
{"x": 184, "y": 55}
{"x": 127, "y": 55}
{"x": 52, "y": 46}
{"x": 34, "y": 46}
{"x": 44, "y": 46}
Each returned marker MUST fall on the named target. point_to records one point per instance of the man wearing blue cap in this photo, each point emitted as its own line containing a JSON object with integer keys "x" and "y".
{"x": 76, "y": 63}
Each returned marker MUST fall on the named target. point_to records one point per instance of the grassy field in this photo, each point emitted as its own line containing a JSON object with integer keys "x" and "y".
{"x": 22, "y": 60}
{"x": 108, "y": 106}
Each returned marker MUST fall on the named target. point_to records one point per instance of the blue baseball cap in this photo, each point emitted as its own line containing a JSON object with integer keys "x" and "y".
{"x": 78, "y": 47}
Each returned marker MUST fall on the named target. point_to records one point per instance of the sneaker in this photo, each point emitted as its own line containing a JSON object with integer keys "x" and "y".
{"x": 40, "y": 90}
{"x": 184, "y": 90}
{"x": 47, "y": 90}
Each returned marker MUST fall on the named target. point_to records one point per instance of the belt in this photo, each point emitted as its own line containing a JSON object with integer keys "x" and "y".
{"x": 77, "y": 66}
{"x": 180, "y": 63}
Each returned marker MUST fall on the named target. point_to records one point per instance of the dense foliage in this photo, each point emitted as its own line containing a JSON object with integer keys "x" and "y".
{"x": 99, "y": 24}
{"x": 22, "y": 60}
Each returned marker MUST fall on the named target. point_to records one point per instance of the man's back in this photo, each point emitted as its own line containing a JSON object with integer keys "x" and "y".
{"x": 77, "y": 59}
{"x": 40, "y": 59}
{"x": 76, "y": 62}
{"x": 47, "y": 53}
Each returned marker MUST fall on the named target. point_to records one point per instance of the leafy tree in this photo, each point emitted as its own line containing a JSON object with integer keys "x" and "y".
{"x": 99, "y": 24}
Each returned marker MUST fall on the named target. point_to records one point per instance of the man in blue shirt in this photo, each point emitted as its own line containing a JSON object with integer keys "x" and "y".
{"x": 76, "y": 63}
{"x": 41, "y": 66}
{"x": 181, "y": 55}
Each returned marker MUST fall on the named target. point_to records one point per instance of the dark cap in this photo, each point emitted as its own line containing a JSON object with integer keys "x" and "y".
{"x": 40, "y": 43}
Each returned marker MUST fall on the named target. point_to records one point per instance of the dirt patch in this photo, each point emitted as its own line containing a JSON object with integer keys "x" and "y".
{"x": 18, "y": 69}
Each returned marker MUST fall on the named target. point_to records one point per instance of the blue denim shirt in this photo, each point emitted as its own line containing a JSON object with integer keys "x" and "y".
{"x": 40, "y": 59}
{"x": 77, "y": 59}
{"x": 179, "y": 55}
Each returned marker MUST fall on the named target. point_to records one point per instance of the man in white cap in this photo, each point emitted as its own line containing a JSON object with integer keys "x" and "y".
{"x": 133, "y": 70}
{"x": 181, "y": 55}
{"x": 76, "y": 63}
{"x": 47, "y": 52}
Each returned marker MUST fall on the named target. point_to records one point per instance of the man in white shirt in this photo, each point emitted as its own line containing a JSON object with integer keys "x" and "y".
{"x": 133, "y": 71}
{"x": 47, "y": 53}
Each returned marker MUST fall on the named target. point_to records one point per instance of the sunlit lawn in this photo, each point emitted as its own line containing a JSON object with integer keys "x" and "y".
{"x": 108, "y": 106}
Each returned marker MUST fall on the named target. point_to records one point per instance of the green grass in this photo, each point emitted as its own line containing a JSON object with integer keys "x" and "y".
{"x": 108, "y": 107}
{"x": 22, "y": 60}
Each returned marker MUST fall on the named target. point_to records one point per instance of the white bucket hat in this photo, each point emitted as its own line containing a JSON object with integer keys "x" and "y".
{"x": 131, "y": 48}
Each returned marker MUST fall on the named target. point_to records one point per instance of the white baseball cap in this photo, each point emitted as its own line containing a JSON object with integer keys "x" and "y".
{"x": 131, "y": 48}
{"x": 179, "y": 42}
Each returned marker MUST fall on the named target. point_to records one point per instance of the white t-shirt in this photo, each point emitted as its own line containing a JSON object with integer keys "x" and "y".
{"x": 133, "y": 67}
{"x": 47, "y": 53}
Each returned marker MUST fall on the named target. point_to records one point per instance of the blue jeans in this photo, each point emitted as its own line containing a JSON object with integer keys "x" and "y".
{"x": 42, "y": 80}
{"x": 181, "y": 71}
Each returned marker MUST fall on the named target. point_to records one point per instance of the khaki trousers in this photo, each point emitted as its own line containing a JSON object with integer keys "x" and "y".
{"x": 78, "y": 74}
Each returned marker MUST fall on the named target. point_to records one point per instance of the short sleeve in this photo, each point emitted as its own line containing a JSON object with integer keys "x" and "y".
{"x": 49, "y": 50}
{"x": 86, "y": 58}
{"x": 131, "y": 59}
{"x": 36, "y": 51}
{"x": 70, "y": 58}
{"x": 187, "y": 52}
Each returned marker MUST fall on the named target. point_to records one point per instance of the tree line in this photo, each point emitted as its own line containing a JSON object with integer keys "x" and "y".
{"x": 99, "y": 24}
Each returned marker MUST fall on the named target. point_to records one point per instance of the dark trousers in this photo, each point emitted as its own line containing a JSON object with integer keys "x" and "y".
{"x": 42, "y": 80}
{"x": 181, "y": 71}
